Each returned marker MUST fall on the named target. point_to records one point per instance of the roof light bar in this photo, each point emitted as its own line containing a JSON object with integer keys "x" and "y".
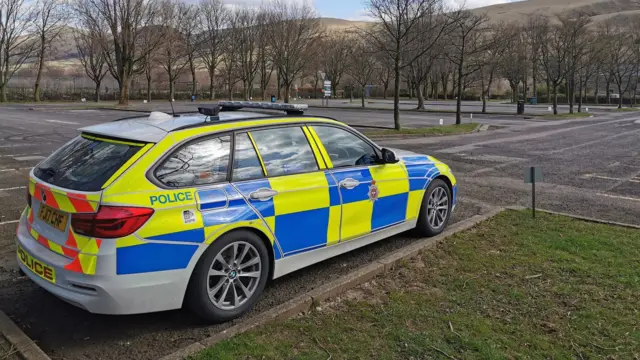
{"x": 290, "y": 109}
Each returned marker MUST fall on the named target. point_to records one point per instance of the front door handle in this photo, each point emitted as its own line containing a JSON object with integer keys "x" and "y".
{"x": 349, "y": 183}
{"x": 263, "y": 194}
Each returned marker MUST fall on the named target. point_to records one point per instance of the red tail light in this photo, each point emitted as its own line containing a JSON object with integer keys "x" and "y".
{"x": 111, "y": 221}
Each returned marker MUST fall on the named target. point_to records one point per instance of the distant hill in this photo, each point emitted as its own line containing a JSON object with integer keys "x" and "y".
{"x": 599, "y": 10}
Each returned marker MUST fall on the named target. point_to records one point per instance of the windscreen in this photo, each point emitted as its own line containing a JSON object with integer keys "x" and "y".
{"x": 85, "y": 164}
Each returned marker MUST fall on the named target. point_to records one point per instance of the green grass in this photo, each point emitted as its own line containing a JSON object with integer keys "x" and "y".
{"x": 427, "y": 131}
{"x": 568, "y": 116}
{"x": 510, "y": 288}
{"x": 626, "y": 109}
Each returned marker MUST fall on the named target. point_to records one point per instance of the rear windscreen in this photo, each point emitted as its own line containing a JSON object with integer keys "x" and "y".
{"x": 85, "y": 164}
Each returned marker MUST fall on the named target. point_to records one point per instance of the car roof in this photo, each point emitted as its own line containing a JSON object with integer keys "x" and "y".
{"x": 155, "y": 126}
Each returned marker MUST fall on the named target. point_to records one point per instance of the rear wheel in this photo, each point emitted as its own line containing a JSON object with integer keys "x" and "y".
{"x": 435, "y": 209}
{"x": 229, "y": 277}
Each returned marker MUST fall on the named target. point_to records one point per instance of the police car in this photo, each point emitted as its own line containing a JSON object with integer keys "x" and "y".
{"x": 157, "y": 212}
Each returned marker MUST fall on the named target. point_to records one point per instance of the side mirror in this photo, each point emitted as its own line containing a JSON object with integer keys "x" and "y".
{"x": 388, "y": 157}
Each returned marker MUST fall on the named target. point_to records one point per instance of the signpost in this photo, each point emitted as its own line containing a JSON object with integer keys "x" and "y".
{"x": 531, "y": 175}
{"x": 327, "y": 92}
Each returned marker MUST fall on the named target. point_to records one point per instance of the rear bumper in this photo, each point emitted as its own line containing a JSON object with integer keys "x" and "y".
{"x": 105, "y": 293}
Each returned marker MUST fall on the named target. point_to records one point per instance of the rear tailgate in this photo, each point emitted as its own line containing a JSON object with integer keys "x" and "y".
{"x": 70, "y": 181}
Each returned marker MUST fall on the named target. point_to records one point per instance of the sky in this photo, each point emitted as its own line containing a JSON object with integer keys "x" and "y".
{"x": 355, "y": 9}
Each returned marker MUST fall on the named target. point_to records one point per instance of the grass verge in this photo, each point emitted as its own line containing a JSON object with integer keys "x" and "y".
{"x": 427, "y": 131}
{"x": 510, "y": 288}
{"x": 626, "y": 109}
{"x": 575, "y": 115}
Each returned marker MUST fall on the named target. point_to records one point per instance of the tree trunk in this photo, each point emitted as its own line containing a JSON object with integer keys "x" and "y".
{"x": 171, "y": 86}
{"x": 555, "y": 98}
{"x": 570, "y": 93}
{"x": 149, "y": 89}
{"x": 279, "y": 85}
{"x": 3, "y": 93}
{"x": 620, "y": 94}
{"x": 580, "y": 97}
{"x": 363, "y": 104}
{"x": 535, "y": 82}
{"x": 425, "y": 90}
{"x": 396, "y": 90}
{"x": 445, "y": 86}
{"x": 386, "y": 87}
{"x": 287, "y": 91}
{"x": 193, "y": 78}
{"x": 245, "y": 88}
{"x": 459, "y": 95}
{"x": 36, "y": 91}
{"x": 211, "y": 94}
{"x": 420, "y": 96}
{"x": 124, "y": 91}
{"x": 597, "y": 89}
{"x": 97, "y": 92}
{"x": 608, "y": 80}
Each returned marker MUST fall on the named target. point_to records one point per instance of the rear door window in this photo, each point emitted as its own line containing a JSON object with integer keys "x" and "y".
{"x": 199, "y": 163}
{"x": 85, "y": 164}
{"x": 285, "y": 151}
{"x": 246, "y": 165}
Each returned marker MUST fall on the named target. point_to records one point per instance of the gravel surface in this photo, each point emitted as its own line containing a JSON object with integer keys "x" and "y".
{"x": 589, "y": 166}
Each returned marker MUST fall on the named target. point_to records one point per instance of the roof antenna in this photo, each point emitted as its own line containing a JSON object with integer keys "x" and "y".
{"x": 173, "y": 111}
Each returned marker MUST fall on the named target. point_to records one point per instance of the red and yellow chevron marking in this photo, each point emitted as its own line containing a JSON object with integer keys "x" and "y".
{"x": 82, "y": 250}
{"x": 66, "y": 201}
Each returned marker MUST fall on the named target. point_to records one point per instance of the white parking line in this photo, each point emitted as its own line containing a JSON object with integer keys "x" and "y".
{"x": 13, "y": 188}
{"x": 30, "y": 157}
{"x": 9, "y": 222}
{"x": 610, "y": 178}
{"x": 23, "y": 168}
{"x": 620, "y": 197}
{"x": 63, "y": 122}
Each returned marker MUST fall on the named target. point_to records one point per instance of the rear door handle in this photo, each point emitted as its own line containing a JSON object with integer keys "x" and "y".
{"x": 349, "y": 183}
{"x": 263, "y": 194}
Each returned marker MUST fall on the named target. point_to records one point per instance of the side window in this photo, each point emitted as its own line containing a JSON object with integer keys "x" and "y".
{"x": 285, "y": 151}
{"x": 200, "y": 163}
{"x": 345, "y": 148}
{"x": 246, "y": 165}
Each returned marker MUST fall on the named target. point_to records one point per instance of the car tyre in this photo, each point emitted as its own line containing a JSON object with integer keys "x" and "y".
{"x": 435, "y": 209}
{"x": 229, "y": 277}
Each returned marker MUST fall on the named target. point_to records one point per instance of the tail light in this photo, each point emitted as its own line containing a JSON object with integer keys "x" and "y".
{"x": 111, "y": 221}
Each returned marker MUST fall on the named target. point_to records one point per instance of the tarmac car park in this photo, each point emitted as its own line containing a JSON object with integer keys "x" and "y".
{"x": 157, "y": 212}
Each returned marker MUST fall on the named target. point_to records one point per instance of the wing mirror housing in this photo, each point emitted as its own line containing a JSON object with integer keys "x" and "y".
{"x": 388, "y": 157}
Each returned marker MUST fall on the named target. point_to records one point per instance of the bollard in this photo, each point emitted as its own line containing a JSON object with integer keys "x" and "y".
{"x": 549, "y": 109}
{"x": 441, "y": 122}
{"x": 471, "y": 117}
{"x": 586, "y": 109}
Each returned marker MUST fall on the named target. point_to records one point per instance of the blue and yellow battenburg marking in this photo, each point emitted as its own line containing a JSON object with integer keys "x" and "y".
{"x": 310, "y": 211}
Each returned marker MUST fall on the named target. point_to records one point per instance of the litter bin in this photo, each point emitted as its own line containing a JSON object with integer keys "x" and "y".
{"x": 273, "y": 98}
{"x": 520, "y": 107}
{"x": 533, "y": 100}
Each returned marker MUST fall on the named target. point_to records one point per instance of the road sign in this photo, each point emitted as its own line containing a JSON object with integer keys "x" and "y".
{"x": 531, "y": 175}
{"x": 327, "y": 88}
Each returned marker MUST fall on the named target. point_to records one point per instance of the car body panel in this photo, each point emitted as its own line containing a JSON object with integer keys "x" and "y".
{"x": 310, "y": 218}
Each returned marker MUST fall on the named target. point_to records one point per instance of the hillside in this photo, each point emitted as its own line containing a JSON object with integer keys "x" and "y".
{"x": 599, "y": 10}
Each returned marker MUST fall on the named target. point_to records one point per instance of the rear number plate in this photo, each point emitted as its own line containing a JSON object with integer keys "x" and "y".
{"x": 41, "y": 269}
{"x": 52, "y": 217}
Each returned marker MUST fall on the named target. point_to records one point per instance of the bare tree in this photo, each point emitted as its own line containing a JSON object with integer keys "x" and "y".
{"x": 589, "y": 66}
{"x": 385, "y": 71}
{"x": 362, "y": 65}
{"x": 619, "y": 56}
{"x": 214, "y": 19}
{"x": 466, "y": 42}
{"x": 398, "y": 34}
{"x": 428, "y": 48}
{"x": 172, "y": 53}
{"x": 293, "y": 32}
{"x": 536, "y": 29}
{"x": 91, "y": 57}
{"x": 189, "y": 30}
{"x": 244, "y": 36}
{"x": 554, "y": 55}
{"x": 513, "y": 63}
{"x": 265, "y": 62}
{"x": 337, "y": 52}
{"x": 494, "y": 58}
{"x": 577, "y": 36}
{"x": 126, "y": 21}
{"x": 16, "y": 45}
{"x": 51, "y": 16}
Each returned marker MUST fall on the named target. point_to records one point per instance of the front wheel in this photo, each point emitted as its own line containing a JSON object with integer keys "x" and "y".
{"x": 229, "y": 277}
{"x": 435, "y": 210}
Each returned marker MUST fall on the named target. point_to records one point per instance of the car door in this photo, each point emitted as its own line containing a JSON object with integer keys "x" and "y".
{"x": 374, "y": 196}
{"x": 290, "y": 190}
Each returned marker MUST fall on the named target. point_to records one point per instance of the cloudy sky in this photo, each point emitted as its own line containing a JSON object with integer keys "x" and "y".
{"x": 354, "y": 9}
